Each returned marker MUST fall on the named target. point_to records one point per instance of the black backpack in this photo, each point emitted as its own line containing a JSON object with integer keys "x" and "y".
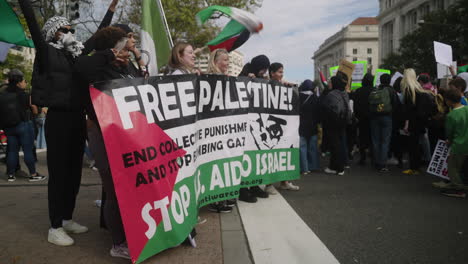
{"x": 9, "y": 110}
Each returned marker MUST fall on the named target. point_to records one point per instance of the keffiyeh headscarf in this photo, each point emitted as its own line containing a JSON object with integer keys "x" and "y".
{"x": 67, "y": 41}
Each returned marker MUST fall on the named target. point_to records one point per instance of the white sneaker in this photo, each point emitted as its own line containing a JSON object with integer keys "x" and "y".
{"x": 340, "y": 173}
{"x": 329, "y": 171}
{"x": 270, "y": 189}
{"x": 73, "y": 227}
{"x": 289, "y": 186}
{"x": 120, "y": 251}
{"x": 59, "y": 237}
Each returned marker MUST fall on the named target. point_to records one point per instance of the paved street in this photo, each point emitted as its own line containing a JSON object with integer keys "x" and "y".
{"x": 367, "y": 217}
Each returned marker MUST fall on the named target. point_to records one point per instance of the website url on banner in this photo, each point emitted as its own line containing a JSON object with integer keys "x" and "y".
{"x": 225, "y": 196}
{"x": 252, "y": 182}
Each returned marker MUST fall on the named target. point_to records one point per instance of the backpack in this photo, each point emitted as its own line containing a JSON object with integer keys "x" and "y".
{"x": 336, "y": 108}
{"x": 380, "y": 101}
{"x": 9, "y": 110}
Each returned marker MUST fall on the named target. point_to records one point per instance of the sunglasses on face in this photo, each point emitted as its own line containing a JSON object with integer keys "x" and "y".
{"x": 66, "y": 30}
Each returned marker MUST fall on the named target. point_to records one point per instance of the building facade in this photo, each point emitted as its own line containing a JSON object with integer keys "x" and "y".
{"x": 398, "y": 18}
{"x": 236, "y": 62}
{"x": 359, "y": 41}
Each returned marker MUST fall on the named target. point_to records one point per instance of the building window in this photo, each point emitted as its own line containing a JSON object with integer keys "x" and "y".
{"x": 367, "y": 28}
{"x": 354, "y": 58}
{"x": 369, "y": 51}
{"x": 354, "y": 51}
{"x": 369, "y": 61}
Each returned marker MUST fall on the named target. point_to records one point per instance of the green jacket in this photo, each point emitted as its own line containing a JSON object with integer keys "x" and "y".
{"x": 456, "y": 126}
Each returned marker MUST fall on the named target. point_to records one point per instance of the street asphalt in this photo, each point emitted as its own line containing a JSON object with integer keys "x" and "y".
{"x": 370, "y": 217}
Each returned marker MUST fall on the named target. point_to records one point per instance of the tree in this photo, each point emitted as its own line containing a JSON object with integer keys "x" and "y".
{"x": 16, "y": 62}
{"x": 416, "y": 49}
{"x": 180, "y": 17}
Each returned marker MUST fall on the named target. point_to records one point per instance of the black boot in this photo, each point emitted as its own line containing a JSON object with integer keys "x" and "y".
{"x": 246, "y": 196}
{"x": 256, "y": 191}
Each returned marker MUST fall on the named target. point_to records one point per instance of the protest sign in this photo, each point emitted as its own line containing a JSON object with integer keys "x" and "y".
{"x": 190, "y": 141}
{"x": 347, "y": 68}
{"x": 395, "y": 77}
{"x": 443, "y": 53}
{"x": 333, "y": 70}
{"x": 378, "y": 73}
{"x": 358, "y": 74}
{"x": 444, "y": 71}
{"x": 439, "y": 165}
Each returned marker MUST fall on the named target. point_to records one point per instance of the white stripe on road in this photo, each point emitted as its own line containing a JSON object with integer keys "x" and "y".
{"x": 277, "y": 234}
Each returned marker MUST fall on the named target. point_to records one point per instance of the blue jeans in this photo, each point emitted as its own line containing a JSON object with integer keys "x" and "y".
{"x": 309, "y": 154}
{"x": 20, "y": 135}
{"x": 381, "y": 133}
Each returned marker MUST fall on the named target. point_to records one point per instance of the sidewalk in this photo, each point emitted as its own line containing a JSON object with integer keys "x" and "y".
{"x": 24, "y": 224}
{"x": 267, "y": 232}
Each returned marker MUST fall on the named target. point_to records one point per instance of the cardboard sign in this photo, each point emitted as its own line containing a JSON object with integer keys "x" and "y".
{"x": 439, "y": 163}
{"x": 443, "y": 53}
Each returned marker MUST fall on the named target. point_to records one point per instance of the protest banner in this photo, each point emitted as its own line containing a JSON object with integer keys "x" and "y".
{"x": 378, "y": 73}
{"x": 395, "y": 77}
{"x": 443, "y": 53}
{"x": 177, "y": 143}
{"x": 333, "y": 71}
{"x": 444, "y": 71}
{"x": 439, "y": 163}
{"x": 358, "y": 74}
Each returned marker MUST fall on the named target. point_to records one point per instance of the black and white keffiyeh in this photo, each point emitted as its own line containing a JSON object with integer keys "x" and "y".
{"x": 67, "y": 41}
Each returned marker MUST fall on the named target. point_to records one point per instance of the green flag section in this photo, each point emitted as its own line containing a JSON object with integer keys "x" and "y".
{"x": 155, "y": 36}
{"x": 463, "y": 68}
{"x": 236, "y": 32}
{"x": 218, "y": 135}
{"x": 12, "y": 31}
{"x": 378, "y": 73}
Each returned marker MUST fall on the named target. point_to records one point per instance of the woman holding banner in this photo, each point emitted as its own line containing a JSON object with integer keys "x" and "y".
{"x": 276, "y": 72}
{"x": 110, "y": 61}
{"x": 256, "y": 68}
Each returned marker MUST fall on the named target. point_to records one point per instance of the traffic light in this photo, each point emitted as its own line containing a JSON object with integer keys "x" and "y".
{"x": 74, "y": 9}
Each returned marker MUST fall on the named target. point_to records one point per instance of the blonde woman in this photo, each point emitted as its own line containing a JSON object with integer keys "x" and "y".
{"x": 418, "y": 104}
{"x": 219, "y": 62}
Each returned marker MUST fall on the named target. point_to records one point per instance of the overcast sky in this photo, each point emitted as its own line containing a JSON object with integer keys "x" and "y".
{"x": 294, "y": 29}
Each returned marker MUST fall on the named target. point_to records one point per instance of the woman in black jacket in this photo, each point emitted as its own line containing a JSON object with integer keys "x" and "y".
{"x": 21, "y": 134}
{"x": 65, "y": 128}
{"x": 308, "y": 127}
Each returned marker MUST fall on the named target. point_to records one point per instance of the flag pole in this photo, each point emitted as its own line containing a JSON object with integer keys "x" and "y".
{"x": 166, "y": 26}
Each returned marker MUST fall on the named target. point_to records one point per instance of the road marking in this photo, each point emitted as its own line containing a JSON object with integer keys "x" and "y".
{"x": 277, "y": 234}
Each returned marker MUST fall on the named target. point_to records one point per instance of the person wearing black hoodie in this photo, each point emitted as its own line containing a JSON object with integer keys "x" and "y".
{"x": 361, "y": 111}
{"x": 336, "y": 115}
{"x": 256, "y": 68}
{"x": 308, "y": 127}
{"x": 65, "y": 128}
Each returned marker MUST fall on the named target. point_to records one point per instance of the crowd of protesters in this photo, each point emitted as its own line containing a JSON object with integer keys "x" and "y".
{"x": 390, "y": 121}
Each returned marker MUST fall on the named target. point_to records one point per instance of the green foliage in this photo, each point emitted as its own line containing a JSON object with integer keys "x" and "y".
{"x": 16, "y": 62}
{"x": 417, "y": 50}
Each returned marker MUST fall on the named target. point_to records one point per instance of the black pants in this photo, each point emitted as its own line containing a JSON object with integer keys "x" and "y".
{"x": 336, "y": 137}
{"x": 110, "y": 206}
{"x": 364, "y": 137}
{"x": 65, "y": 135}
{"x": 415, "y": 152}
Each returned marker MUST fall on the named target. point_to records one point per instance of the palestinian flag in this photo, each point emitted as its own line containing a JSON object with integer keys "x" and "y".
{"x": 323, "y": 80}
{"x": 236, "y": 32}
{"x": 12, "y": 31}
{"x": 155, "y": 36}
{"x": 463, "y": 68}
